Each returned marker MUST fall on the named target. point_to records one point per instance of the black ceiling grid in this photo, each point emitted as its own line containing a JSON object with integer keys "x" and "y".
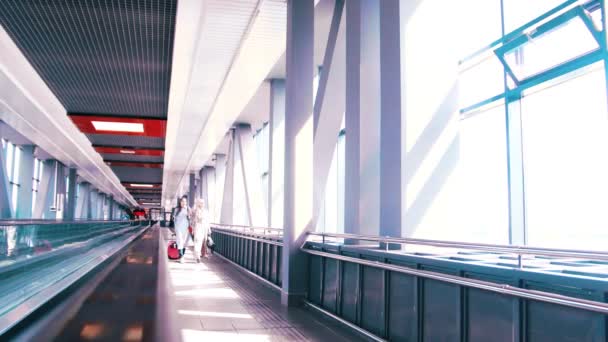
{"x": 101, "y": 57}
{"x": 132, "y": 158}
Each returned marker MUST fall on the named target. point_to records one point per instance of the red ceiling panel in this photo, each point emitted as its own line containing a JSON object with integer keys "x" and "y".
{"x": 138, "y": 152}
{"x": 152, "y": 127}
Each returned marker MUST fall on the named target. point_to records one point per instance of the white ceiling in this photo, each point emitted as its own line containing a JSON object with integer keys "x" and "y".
{"x": 219, "y": 69}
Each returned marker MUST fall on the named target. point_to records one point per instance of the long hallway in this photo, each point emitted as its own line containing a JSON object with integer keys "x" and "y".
{"x": 214, "y": 299}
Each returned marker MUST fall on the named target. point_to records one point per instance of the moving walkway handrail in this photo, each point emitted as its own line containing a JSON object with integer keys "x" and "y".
{"x": 505, "y": 289}
{"x": 491, "y": 248}
{"x": 47, "y": 222}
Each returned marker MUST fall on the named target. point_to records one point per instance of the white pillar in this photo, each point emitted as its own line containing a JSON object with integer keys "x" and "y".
{"x": 192, "y": 189}
{"x": 227, "y": 215}
{"x": 391, "y": 149}
{"x": 298, "y": 148}
{"x": 70, "y": 209}
{"x": 26, "y": 170}
{"x": 48, "y": 200}
{"x": 276, "y": 165}
{"x": 362, "y": 122}
{"x": 6, "y": 210}
{"x": 83, "y": 198}
{"x": 93, "y": 204}
{"x": 220, "y": 178}
{"x": 101, "y": 203}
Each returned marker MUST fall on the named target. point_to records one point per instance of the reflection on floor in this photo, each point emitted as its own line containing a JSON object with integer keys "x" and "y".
{"x": 123, "y": 306}
{"x": 215, "y": 300}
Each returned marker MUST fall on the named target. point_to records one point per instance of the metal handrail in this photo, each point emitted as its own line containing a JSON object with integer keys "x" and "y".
{"x": 505, "y": 289}
{"x": 518, "y": 250}
{"x": 246, "y": 233}
{"x": 261, "y": 238}
{"x": 47, "y": 222}
{"x": 237, "y": 226}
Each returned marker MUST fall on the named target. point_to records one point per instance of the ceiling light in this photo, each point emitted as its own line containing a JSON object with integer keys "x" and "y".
{"x": 118, "y": 126}
{"x": 127, "y": 151}
{"x": 148, "y": 203}
{"x": 142, "y": 185}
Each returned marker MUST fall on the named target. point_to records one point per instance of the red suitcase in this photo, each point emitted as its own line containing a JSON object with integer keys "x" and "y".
{"x": 172, "y": 251}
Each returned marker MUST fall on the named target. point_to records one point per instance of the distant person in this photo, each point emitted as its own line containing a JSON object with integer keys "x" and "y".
{"x": 201, "y": 226}
{"x": 182, "y": 222}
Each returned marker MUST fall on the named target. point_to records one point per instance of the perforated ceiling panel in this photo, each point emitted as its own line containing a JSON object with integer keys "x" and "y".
{"x": 126, "y": 141}
{"x": 98, "y": 56}
{"x": 132, "y": 158}
{"x": 108, "y": 58}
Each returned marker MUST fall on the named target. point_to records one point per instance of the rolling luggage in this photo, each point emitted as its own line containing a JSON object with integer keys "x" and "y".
{"x": 172, "y": 251}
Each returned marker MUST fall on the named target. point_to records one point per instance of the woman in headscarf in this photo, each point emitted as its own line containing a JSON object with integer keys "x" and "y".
{"x": 182, "y": 222}
{"x": 201, "y": 229}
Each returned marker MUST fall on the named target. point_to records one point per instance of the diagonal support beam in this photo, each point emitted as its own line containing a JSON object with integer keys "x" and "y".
{"x": 227, "y": 214}
{"x": 329, "y": 105}
{"x": 220, "y": 178}
{"x": 254, "y": 199}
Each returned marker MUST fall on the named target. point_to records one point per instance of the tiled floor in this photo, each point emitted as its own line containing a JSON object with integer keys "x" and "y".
{"x": 213, "y": 299}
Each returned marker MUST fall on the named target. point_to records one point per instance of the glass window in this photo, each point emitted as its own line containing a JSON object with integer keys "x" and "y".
{"x": 262, "y": 145}
{"x": 596, "y": 16}
{"x": 331, "y": 216}
{"x": 565, "y": 148}
{"x": 484, "y": 179}
{"x": 544, "y": 51}
{"x": 481, "y": 81}
{"x": 519, "y": 12}
{"x": 479, "y": 24}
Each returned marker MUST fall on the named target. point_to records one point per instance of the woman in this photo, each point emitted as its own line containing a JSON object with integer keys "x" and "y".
{"x": 182, "y": 222}
{"x": 201, "y": 227}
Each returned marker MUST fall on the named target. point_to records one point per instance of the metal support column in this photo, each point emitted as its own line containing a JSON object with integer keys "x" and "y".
{"x": 298, "y": 148}
{"x": 26, "y": 174}
{"x": 101, "y": 203}
{"x": 220, "y": 178}
{"x": 276, "y": 166}
{"x": 329, "y": 106}
{"x": 391, "y": 158}
{"x": 82, "y": 200}
{"x": 110, "y": 208}
{"x": 92, "y": 203}
{"x": 362, "y": 122}
{"x": 6, "y": 211}
{"x": 228, "y": 191}
{"x": 70, "y": 210}
{"x": 192, "y": 190}
{"x": 48, "y": 195}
